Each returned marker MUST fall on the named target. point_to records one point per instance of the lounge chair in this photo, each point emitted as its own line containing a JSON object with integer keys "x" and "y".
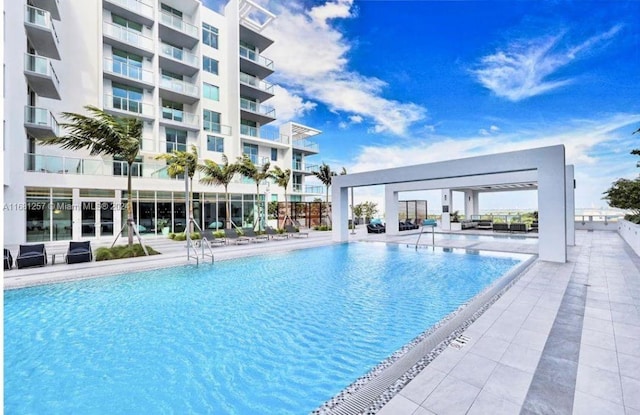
{"x": 518, "y": 227}
{"x": 79, "y": 252}
{"x": 534, "y": 226}
{"x": 273, "y": 234}
{"x": 292, "y": 231}
{"x": 207, "y": 233}
{"x": 31, "y": 256}
{"x": 501, "y": 227}
{"x": 253, "y": 236}
{"x": 485, "y": 224}
{"x": 375, "y": 228}
{"x": 8, "y": 259}
{"x": 232, "y": 235}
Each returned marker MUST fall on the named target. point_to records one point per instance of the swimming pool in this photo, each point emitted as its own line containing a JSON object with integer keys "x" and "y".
{"x": 274, "y": 334}
{"x": 488, "y": 238}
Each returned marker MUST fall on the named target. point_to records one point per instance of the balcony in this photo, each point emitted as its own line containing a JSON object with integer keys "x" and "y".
{"x": 312, "y": 190}
{"x": 127, "y": 74}
{"x": 128, "y": 107}
{"x": 41, "y": 77}
{"x": 255, "y": 88}
{"x": 40, "y": 122}
{"x": 138, "y": 11}
{"x": 180, "y": 91}
{"x": 180, "y": 32}
{"x": 306, "y": 146}
{"x": 253, "y": 63}
{"x": 255, "y": 112}
{"x": 178, "y": 61}
{"x": 177, "y": 118}
{"x": 303, "y": 168}
{"x": 127, "y": 39}
{"x": 43, "y": 163}
{"x": 254, "y": 37}
{"x": 52, "y": 6}
{"x": 216, "y": 128}
{"x": 41, "y": 32}
{"x": 256, "y": 136}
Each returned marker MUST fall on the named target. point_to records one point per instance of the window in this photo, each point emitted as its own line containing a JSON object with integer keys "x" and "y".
{"x": 274, "y": 154}
{"x": 211, "y": 92}
{"x": 121, "y": 21}
{"x": 210, "y": 65}
{"x": 251, "y": 150}
{"x": 215, "y": 143}
{"x": 170, "y": 75}
{"x": 127, "y": 64}
{"x": 171, "y": 10}
{"x": 127, "y": 98}
{"x": 210, "y": 35}
{"x": 121, "y": 168}
{"x": 176, "y": 139}
{"x": 211, "y": 120}
{"x": 172, "y": 110}
{"x": 248, "y": 127}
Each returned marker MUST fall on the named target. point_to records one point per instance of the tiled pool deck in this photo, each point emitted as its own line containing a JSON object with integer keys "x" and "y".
{"x": 564, "y": 339}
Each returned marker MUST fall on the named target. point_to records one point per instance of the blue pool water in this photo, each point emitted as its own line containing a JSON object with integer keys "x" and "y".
{"x": 277, "y": 334}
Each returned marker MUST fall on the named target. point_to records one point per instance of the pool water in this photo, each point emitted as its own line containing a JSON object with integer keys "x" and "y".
{"x": 277, "y": 334}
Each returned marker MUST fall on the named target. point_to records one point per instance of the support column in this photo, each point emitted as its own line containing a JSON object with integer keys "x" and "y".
{"x": 447, "y": 205}
{"x": 391, "y": 211}
{"x": 470, "y": 203}
{"x": 340, "y": 213}
{"x": 552, "y": 211}
{"x": 571, "y": 206}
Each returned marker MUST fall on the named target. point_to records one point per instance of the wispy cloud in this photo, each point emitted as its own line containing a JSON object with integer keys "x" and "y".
{"x": 523, "y": 69}
{"x": 312, "y": 58}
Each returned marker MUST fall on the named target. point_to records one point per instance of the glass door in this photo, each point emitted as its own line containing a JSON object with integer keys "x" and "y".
{"x": 89, "y": 219}
{"x": 105, "y": 219}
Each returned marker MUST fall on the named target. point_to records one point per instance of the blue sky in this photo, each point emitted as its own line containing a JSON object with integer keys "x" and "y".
{"x": 393, "y": 83}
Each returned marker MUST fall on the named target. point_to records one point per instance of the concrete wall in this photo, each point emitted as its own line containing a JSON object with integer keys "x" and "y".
{"x": 630, "y": 232}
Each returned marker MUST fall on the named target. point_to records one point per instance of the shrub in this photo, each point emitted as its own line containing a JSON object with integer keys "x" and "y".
{"x": 122, "y": 251}
{"x": 103, "y": 254}
{"x": 218, "y": 234}
{"x": 321, "y": 228}
{"x": 180, "y": 237}
{"x": 172, "y": 235}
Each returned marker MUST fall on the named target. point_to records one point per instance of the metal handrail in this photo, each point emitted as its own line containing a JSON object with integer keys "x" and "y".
{"x": 204, "y": 241}
{"x": 189, "y": 247}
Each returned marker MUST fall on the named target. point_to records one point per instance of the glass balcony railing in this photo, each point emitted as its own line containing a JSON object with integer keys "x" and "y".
{"x": 127, "y": 70}
{"x": 128, "y": 105}
{"x": 216, "y": 128}
{"x": 41, "y": 66}
{"x": 306, "y": 145}
{"x": 91, "y": 167}
{"x": 128, "y": 36}
{"x": 180, "y": 116}
{"x": 314, "y": 189}
{"x": 264, "y": 135}
{"x": 41, "y": 18}
{"x": 179, "y": 86}
{"x": 41, "y": 117}
{"x": 256, "y": 57}
{"x": 179, "y": 55}
{"x": 252, "y": 106}
{"x": 256, "y": 83}
{"x": 300, "y": 166}
{"x": 137, "y": 6}
{"x": 177, "y": 23}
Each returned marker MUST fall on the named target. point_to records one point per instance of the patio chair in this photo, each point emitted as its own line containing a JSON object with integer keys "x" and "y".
{"x": 273, "y": 234}
{"x": 253, "y": 236}
{"x": 292, "y": 231}
{"x": 518, "y": 227}
{"x": 79, "y": 252}
{"x": 232, "y": 235}
{"x": 208, "y": 234}
{"x": 8, "y": 259}
{"x": 501, "y": 227}
{"x": 534, "y": 226}
{"x": 31, "y": 256}
{"x": 485, "y": 224}
{"x": 375, "y": 228}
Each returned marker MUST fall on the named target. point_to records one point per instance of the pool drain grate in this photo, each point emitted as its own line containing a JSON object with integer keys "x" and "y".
{"x": 459, "y": 342}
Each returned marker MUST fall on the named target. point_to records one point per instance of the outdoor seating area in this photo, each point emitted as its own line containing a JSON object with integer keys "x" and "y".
{"x": 31, "y": 256}
{"x": 408, "y": 225}
{"x": 295, "y": 232}
{"x": 35, "y": 255}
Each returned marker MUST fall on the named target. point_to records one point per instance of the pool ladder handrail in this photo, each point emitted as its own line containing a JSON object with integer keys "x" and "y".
{"x": 191, "y": 246}
{"x": 433, "y": 234}
{"x": 204, "y": 241}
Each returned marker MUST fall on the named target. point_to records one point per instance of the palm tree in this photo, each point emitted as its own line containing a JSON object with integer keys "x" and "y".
{"x": 325, "y": 175}
{"x": 219, "y": 174}
{"x": 103, "y": 134}
{"x": 282, "y": 178}
{"x": 257, "y": 173}
{"x": 177, "y": 161}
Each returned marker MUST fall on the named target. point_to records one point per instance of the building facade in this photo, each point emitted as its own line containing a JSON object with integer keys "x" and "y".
{"x": 192, "y": 75}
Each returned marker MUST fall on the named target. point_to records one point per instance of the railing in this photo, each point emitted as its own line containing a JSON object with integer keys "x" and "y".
{"x": 265, "y": 135}
{"x": 41, "y": 66}
{"x": 173, "y": 146}
{"x": 256, "y": 83}
{"x": 180, "y": 86}
{"x": 217, "y": 128}
{"x": 314, "y": 189}
{"x": 128, "y": 105}
{"x": 298, "y": 165}
{"x": 179, "y": 55}
{"x": 256, "y": 57}
{"x": 168, "y": 19}
{"x": 306, "y": 145}
{"x": 126, "y": 35}
{"x": 179, "y": 116}
{"x": 41, "y": 116}
{"x": 127, "y": 70}
{"x": 257, "y": 108}
{"x": 88, "y": 167}
{"x": 42, "y": 18}
{"x": 137, "y": 6}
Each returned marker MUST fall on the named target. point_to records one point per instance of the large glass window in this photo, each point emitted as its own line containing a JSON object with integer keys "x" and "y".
{"x": 127, "y": 64}
{"x": 215, "y": 143}
{"x": 210, "y": 35}
{"x": 176, "y": 139}
{"x": 251, "y": 150}
{"x": 211, "y": 92}
{"x": 48, "y": 213}
{"x": 172, "y": 110}
{"x": 248, "y": 127}
{"x": 171, "y": 10}
{"x": 120, "y": 167}
{"x": 274, "y": 154}
{"x": 211, "y": 120}
{"x": 127, "y": 98}
{"x": 210, "y": 65}
{"x": 170, "y": 75}
{"x": 121, "y": 21}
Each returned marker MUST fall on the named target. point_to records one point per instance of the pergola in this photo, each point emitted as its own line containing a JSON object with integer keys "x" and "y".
{"x": 543, "y": 169}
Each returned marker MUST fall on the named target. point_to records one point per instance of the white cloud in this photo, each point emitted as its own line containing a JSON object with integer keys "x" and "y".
{"x": 289, "y": 106}
{"x": 483, "y": 132}
{"x": 494, "y": 128}
{"x": 311, "y": 58}
{"x": 522, "y": 70}
{"x": 356, "y": 119}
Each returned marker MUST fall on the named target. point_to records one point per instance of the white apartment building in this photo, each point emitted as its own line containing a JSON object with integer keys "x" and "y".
{"x": 192, "y": 75}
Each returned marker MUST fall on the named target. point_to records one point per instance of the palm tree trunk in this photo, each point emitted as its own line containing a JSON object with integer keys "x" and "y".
{"x": 228, "y": 221}
{"x": 257, "y": 205}
{"x": 190, "y": 205}
{"x": 129, "y": 206}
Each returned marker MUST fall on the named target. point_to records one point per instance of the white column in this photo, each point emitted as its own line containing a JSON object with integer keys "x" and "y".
{"x": 76, "y": 216}
{"x": 446, "y": 205}
{"x": 391, "y": 211}
{"x": 552, "y": 212}
{"x": 470, "y": 203}
{"x": 340, "y": 213}
{"x": 571, "y": 206}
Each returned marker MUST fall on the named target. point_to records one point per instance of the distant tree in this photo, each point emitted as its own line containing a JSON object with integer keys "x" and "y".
{"x": 282, "y": 178}
{"x": 369, "y": 210}
{"x": 219, "y": 174}
{"x": 103, "y": 134}
{"x": 625, "y": 194}
{"x": 177, "y": 163}
{"x": 325, "y": 175}
{"x": 257, "y": 173}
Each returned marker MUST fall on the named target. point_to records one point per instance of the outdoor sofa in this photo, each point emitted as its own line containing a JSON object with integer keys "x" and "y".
{"x": 31, "y": 256}
{"x": 79, "y": 252}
